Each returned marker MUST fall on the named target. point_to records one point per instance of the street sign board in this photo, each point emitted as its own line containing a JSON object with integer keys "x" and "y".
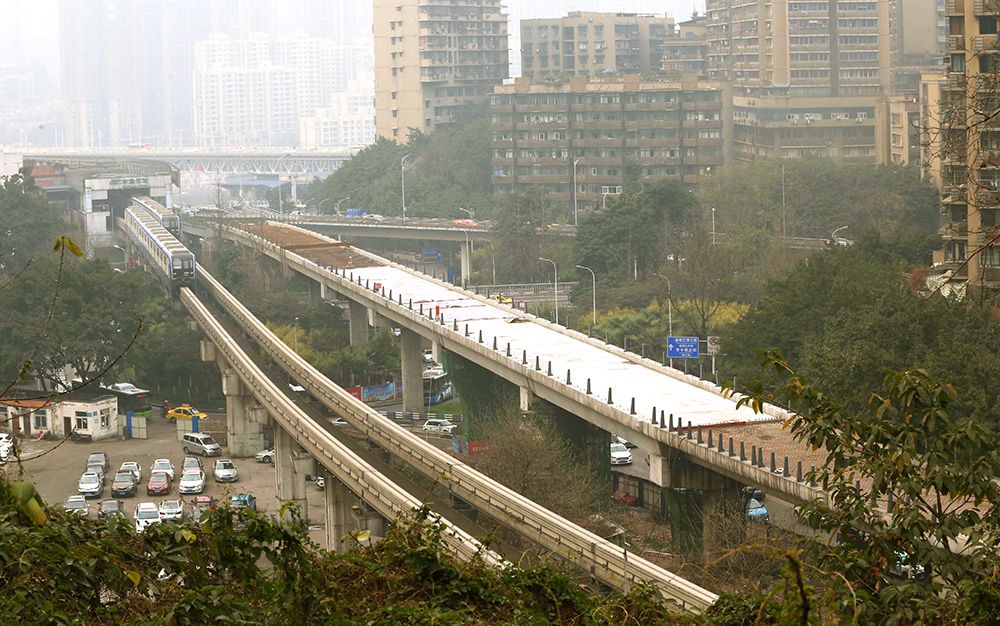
{"x": 354, "y": 212}
{"x": 431, "y": 256}
{"x": 682, "y": 347}
{"x": 713, "y": 344}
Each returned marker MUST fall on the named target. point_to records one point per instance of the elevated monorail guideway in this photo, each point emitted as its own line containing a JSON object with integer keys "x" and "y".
{"x": 359, "y": 476}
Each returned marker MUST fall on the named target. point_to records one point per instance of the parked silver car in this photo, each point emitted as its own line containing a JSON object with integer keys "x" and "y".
{"x": 224, "y": 471}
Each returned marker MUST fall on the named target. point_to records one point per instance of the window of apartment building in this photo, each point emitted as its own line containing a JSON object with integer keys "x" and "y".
{"x": 856, "y": 6}
{"x": 809, "y": 40}
{"x": 395, "y": 132}
{"x": 858, "y": 56}
{"x": 527, "y": 62}
{"x": 988, "y": 219}
{"x": 987, "y": 63}
{"x": 810, "y": 56}
{"x": 581, "y": 30}
{"x": 987, "y": 25}
{"x": 394, "y": 113}
{"x": 41, "y": 419}
{"x": 527, "y": 32}
{"x": 857, "y": 23}
{"x": 810, "y": 73}
{"x": 850, "y": 40}
{"x": 808, "y": 24}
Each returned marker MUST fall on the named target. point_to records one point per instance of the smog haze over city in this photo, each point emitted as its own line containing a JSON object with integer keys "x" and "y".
{"x": 42, "y": 74}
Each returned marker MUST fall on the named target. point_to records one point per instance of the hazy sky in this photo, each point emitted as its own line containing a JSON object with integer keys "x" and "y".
{"x": 29, "y": 28}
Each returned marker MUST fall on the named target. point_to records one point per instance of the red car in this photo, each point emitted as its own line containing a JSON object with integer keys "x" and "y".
{"x": 158, "y": 485}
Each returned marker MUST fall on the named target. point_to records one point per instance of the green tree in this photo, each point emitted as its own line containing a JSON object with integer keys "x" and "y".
{"x": 28, "y": 224}
{"x": 821, "y": 195}
{"x": 516, "y": 231}
{"x": 939, "y": 471}
{"x": 93, "y": 320}
{"x": 637, "y": 231}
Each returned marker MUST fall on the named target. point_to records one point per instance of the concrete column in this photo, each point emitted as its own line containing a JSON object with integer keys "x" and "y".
{"x": 700, "y": 504}
{"x": 358, "y": 323}
{"x": 526, "y": 398}
{"x": 437, "y": 352}
{"x": 339, "y": 515}
{"x": 466, "y": 262}
{"x": 411, "y": 357}
{"x": 284, "y": 471}
{"x": 302, "y": 464}
{"x": 244, "y": 416}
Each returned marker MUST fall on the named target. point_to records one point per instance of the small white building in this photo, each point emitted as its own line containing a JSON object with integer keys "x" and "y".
{"x": 93, "y": 415}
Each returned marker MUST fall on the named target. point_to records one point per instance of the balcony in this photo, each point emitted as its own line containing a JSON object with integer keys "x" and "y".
{"x": 956, "y": 80}
{"x": 954, "y": 7}
{"x": 986, "y": 7}
{"x": 985, "y": 42}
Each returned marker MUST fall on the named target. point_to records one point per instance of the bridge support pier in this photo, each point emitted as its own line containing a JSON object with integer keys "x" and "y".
{"x": 526, "y": 398}
{"x": 466, "y": 262}
{"x": 703, "y": 507}
{"x": 411, "y": 358}
{"x": 340, "y": 520}
{"x": 358, "y": 313}
{"x": 291, "y": 464}
{"x": 245, "y": 418}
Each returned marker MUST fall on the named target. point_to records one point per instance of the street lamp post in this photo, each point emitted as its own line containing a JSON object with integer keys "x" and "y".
{"x": 670, "y": 313}
{"x": 472, "y": 213}
{"x": 783, "y": 235}
{"x": 604, "y": 200}
{"x": 402, "y": 179}
{"x": 555, "y": 274}
{"x": 576, "y": 192}
{"x": 296, "y": 334}
{"x": 713, "y": 226}
{"x": 277, "y": 165}
{"x": 125, "y": 253}
{"x": 336, "y": 204}
{"x": 593, "y": 277}
{"x": 319, "y": 209}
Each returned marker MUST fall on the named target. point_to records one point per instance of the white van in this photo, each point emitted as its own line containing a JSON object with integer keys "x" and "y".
{"x": 200, "y": 443}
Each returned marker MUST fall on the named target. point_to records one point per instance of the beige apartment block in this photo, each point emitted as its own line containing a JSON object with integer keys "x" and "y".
{"x": 587, "y": 44}
{"x": 963, "y": 155}
{"x": 806, "y": 75}
{"x": 432, "y": 57}
{"x": 686, "y": 51}
{"x": 576, "y": 137}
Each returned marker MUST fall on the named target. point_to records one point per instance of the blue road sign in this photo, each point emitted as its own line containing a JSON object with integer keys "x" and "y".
{"x": 682, "y": 347}
{"x": 431, "y": 256}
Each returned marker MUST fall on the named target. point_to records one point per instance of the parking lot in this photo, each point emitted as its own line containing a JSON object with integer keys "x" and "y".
{"x": 55, "y": 468}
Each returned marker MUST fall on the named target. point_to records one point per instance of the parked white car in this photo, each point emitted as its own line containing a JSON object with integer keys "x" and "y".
{"x": 265, "y": 456}
{"x": 132, "y": 466}
{"x": 171, "y": 510}
{"x": 620, "y": 455}
{"x": 192, "y": 481}
{"x": 437, "y": 426}
{"x": 77, "y": 505}
{"x": 163, "y": 465}
{"x": 146, "y": 514}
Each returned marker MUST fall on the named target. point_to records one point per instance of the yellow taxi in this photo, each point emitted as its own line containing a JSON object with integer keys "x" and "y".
{"x": 185, "y": 412}
{"x": 502, "y": 299}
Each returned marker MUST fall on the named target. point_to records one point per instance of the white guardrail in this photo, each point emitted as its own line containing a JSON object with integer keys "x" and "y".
{"x": 604, "y": 561}
{"x": 361, "y": 478}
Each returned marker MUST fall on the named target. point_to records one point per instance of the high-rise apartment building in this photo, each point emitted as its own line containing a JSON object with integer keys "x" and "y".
{"x": 806, "y": 75}
{"x": 100, "y": 72}
{"x": 587, "y": 44}
{"x": 578, "y": 137}
{"x": 240, "y": 97}
{"x": 433, "y": 56}
{"x": 963, "y": 149}
{"x": 686, "y": 51}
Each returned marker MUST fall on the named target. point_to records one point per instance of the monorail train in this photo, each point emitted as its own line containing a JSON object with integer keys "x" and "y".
{"x": 174, "y": 263}
{"x": 162, "y": 214}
